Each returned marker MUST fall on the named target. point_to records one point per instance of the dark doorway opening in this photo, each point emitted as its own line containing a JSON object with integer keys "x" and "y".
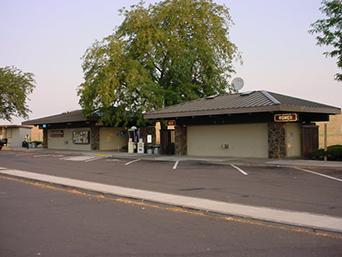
{"x": 167, "y": 141}
{"x": 309, "y": 139}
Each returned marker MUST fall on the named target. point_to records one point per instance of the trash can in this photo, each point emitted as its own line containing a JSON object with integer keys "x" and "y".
{"x": 149, "y": 148}
{"x": 156, "y": 149}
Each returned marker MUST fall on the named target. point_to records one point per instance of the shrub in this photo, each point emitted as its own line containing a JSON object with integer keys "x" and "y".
{"x": 334, "y": 153}
{"x": 317, "y": 154}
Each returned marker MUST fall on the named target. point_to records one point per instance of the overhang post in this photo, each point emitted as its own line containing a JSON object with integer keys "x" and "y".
{"x": 45, "y": 138}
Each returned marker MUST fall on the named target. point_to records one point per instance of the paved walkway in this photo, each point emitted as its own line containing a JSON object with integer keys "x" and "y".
{"x": 303, "y": 219}
{"x": 174, "y": 158}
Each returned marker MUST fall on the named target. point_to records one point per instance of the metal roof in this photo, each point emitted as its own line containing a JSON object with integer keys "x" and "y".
{"x": 247, "y": 102}
{"x": 65, "y": 117}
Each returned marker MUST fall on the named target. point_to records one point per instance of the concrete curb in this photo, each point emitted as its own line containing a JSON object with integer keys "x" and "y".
{"x": 294, "y": 218}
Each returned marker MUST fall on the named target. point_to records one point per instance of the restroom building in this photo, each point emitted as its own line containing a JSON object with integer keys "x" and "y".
{"x": 15, "y": 134}
{"x": 74, "y": 131}
{"x": 257, "y": 124}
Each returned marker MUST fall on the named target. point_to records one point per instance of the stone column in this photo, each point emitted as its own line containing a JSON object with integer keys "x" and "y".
{"x": 95, "y": 138}
{"x": 276, "y": 140}
{"x": 180, "y": 140}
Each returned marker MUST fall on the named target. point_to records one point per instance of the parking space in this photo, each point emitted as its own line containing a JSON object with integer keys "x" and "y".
{"x": 186, "y": 166}
{"x": 271, "y": 186}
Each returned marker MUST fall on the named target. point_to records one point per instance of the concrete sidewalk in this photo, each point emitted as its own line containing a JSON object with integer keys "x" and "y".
{"x": 173, "y": 158}
{"x": 302, "y": 219}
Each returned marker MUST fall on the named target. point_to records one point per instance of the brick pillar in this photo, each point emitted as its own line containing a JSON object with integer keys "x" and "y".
{"x": 94, "y": 138}
{"x": 45, "y": 138}
{"x": 276, "y": 140}
{"x": 180, "y": 140}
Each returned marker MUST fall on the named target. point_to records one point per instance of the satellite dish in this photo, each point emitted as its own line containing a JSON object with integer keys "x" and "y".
{"x": 237, "y": 83}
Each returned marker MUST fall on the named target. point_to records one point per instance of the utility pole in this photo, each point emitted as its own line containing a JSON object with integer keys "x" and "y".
{"x": 325, "y": 141}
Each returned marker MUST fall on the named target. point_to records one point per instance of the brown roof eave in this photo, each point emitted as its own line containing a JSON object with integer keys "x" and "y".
{"x": 32, "y": 122}
{"x": 210, "y": 112}
{"x": 305, "y": 109}
{"x": 274, "y": 108}
{"x": 28, "y": 122}
{"x": 17, "y": 126}
{"x": 35, "y": 123}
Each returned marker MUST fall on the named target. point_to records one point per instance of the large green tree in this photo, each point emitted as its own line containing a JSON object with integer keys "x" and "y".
{"x": 329, "y": 31}
{"x": 161, "y": 54}
{"x": 15, "y": 86}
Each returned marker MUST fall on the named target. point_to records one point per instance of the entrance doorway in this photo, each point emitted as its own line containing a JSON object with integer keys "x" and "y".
{"x": 309, "y": 139}
{"x": 167, "y": 141}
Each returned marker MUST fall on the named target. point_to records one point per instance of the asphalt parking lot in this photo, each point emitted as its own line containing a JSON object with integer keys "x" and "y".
{"x": 276, "y": 187}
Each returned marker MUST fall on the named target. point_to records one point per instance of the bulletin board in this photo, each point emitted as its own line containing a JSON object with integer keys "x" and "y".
{"x": 81, "y": 137}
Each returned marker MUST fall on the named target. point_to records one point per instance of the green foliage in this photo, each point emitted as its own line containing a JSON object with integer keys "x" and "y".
{"x": 15, "y": 86}
{"x": 329, "y": 31}
{"x": 334, "y": 153}
{"x": 163, "y": 54}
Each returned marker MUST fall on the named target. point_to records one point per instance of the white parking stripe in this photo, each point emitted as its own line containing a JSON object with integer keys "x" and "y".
{"x": 57, "y": 155}
{"x": 94, "y": 159}
{"x": 48, "y": 155}
{"x": 113, "y": 160}
{"x": 175, "y": 165}
{"x": 41, "y": 155}
{"x": 319, "y": 174}
{"x": 77, "y": 158}
{"x": 237, "y": 168}
{"x": 128, "y": 163}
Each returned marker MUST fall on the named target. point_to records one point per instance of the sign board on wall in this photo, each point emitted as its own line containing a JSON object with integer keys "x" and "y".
{"x": 286, "y": 117}
{"x": 56, "y": 133}
{"x": 171, "y": 124}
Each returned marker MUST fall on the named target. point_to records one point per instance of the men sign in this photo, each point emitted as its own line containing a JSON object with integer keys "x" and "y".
{"x": 171, "y": 124}
{"x": 286, "y": 117}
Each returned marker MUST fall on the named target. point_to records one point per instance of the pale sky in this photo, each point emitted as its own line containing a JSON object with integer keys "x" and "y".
{"x": 49, "y": 37}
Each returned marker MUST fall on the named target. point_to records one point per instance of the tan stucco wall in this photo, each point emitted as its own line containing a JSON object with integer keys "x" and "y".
{"x": 36, "y": 134}
{"x": 293, "y": 139}
{"x": 66, "y": 141}
{"x": 334, "y": 131}
{"x": 111, "y": 139}
{"x": 244, "y": 140}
